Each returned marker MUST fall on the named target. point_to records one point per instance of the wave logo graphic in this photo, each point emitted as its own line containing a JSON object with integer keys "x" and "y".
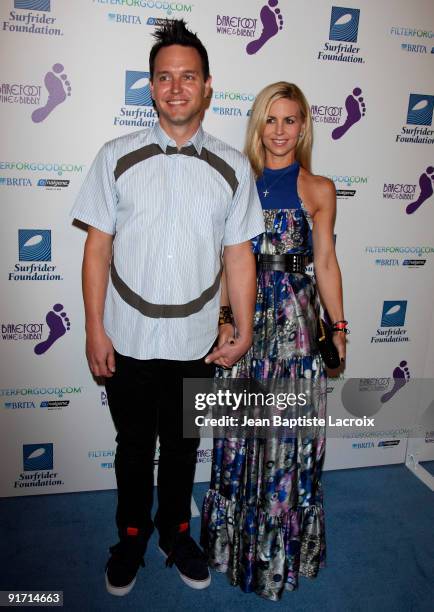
{"x": 393, "y": 314}
{"x": 137, "y": 90}
{"x": 33, "y": 5}
{"x": 344, "y": 24}
{"x": 420, "y": 109}
{"x": 34, "y": 245}
{"x": 37, "y": 457}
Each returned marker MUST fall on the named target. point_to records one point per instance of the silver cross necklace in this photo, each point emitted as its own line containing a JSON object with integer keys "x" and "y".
{"x": 268, "y": 187}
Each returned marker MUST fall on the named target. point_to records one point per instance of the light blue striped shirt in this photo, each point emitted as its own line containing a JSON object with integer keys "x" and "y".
{"x": 171, "y": 214}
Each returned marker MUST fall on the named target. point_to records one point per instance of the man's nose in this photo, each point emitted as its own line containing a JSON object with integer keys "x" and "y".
{"x": 176, "y": 85}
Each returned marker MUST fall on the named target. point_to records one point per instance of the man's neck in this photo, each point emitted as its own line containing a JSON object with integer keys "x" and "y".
{"x": 180, "y": 133}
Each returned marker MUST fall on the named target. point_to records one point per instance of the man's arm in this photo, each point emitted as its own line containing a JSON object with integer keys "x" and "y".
{"x": 240, "y": 269}
{"x": 95, "y": 273}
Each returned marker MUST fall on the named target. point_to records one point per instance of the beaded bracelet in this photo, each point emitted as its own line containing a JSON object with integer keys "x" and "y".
{"x": 225, "y": 315}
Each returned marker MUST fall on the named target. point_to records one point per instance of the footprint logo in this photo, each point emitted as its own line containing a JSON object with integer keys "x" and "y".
{"x": 272, "y": 22}
{"x": 58, "y": 325}
{"x": 426, "y": 181}
{"x": 401, "y": 376}
{"x": 356, "y": 109}
{"x": 58, "y": 88}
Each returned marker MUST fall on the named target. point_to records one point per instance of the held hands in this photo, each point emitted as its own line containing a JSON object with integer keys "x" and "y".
{"x": 229, "y": 348}
{"x": 100, "y": 353}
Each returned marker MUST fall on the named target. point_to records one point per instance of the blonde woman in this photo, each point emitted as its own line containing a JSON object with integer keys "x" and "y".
{"x": 263, "y": 518}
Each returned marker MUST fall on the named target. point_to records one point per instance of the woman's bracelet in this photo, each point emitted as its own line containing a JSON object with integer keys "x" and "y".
{"x": 340, "y": 326}
{"x": 225, "y": 315}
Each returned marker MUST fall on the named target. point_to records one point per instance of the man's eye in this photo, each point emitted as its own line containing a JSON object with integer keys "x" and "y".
{"x": 189, "y": 77}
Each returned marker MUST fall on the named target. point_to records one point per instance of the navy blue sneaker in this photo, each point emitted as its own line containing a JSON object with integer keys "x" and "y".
{"x": 124, "y": 563}
{"x": 181, "y": 550}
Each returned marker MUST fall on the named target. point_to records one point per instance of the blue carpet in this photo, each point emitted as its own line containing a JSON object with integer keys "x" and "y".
{"x": 380, "y": 538}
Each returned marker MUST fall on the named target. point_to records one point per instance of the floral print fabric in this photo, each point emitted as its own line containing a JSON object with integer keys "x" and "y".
{"x": 263, "y": 517}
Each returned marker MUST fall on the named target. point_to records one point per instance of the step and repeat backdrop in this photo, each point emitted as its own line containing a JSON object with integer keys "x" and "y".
{"x": 75, "y": 74}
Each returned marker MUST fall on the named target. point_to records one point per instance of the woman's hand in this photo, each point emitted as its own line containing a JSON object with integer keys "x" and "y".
{"x": 340, "y": 342}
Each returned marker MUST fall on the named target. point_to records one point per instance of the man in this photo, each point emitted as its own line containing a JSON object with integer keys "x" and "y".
{"x": 161, "y": 204}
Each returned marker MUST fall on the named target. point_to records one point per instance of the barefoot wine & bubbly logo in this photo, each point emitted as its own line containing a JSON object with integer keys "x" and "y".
{"x": 55, "y": 91}
{"x": 343, "y": 32}
{"x": 261, "y": 30}
{"x": 344, "y": 118}
{"x": 56, "y": 325}
{"x": 415, "y": 195}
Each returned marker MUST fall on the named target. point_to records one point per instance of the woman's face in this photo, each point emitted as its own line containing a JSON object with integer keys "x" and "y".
{"x": 282, "y": 130}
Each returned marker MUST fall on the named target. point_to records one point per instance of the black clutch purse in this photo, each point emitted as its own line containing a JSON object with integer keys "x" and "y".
{"x": 327, "y": 349}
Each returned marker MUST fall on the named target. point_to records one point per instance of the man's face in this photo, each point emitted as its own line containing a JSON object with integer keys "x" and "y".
{"x": 178, "y": 87}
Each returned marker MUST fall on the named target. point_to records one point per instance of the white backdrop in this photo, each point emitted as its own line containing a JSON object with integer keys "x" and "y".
{"x": 74, "y": 75}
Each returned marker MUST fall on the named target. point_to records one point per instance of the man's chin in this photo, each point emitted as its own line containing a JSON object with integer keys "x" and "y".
{"x": 179, "y": 118}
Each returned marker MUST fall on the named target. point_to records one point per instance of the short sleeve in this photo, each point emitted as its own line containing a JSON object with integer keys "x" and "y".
{"x": 245, "y": 219}
{"x": 97, "y": 199}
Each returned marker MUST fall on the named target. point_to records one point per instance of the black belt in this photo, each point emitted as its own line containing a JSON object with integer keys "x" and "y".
{"x": 288, "y": 262}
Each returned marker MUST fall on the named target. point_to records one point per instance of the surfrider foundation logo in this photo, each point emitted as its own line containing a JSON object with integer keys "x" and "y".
{"x": 344, "y": 24}
{"x": 137, "y": 90}
{"x": 37, "y": 457}
{"x": 420, "y": 109}
{"x": 34, "y": 245}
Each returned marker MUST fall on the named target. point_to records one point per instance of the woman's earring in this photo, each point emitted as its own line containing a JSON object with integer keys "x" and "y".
{"x": 300, "y": 136}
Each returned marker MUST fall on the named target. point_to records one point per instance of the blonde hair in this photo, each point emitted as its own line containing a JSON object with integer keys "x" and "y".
{"x": 254, "y": 148}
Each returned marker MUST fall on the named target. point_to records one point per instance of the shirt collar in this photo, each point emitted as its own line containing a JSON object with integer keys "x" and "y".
{"x": 163, "y": 140}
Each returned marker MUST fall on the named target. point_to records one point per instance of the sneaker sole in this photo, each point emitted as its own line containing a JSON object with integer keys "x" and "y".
{"x": 119, "y": 591}
{"x": 193, "y": 584}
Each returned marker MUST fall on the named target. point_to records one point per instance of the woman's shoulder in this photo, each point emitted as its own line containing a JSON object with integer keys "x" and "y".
{"x": 316, "y": 184}
{"x": 317, "y": 192}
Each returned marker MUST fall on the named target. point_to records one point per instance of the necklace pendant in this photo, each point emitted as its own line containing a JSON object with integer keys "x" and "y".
{"x": 266, "y": 192}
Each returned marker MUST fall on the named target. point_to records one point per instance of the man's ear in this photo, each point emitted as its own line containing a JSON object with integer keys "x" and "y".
{"x": 151, "y": 86}
{"x": 208, "y": 84}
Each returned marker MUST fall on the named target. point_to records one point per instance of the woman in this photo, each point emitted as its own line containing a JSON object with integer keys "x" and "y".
{"x": 263, "y": 519}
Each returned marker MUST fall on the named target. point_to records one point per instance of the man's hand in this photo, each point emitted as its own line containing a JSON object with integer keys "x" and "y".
{"x": 230, "y": 352}
{"x": 100, "y": 353}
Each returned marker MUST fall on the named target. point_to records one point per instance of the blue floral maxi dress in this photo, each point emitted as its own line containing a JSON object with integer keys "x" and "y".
{"x": 263, "y": 518}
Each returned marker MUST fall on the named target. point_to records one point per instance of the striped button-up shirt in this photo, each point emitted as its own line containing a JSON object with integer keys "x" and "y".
{"x": 171, "y": 214}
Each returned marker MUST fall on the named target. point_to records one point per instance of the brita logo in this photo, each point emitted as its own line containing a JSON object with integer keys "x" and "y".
{"x": 344, "y": 24}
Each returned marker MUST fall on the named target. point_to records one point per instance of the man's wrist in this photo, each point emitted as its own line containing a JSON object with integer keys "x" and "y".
{"x": 225, "y": 316}
{"x": 92, "y": 327}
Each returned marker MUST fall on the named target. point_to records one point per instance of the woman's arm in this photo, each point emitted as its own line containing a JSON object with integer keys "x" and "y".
{"x": 321, "y": 198}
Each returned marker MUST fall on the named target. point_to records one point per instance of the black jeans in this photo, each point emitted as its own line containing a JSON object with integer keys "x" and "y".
{"x": 145, "y": 399}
